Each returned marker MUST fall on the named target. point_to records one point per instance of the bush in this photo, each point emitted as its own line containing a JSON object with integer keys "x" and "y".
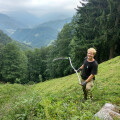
{"x": 17, "y": 81}
{"x": 31, "y": 83}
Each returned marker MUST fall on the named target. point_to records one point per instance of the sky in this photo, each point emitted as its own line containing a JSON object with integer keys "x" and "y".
{"x": 39, "y": 7}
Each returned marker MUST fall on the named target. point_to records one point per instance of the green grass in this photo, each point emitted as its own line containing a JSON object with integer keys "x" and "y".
{"x": 60, "y": 99}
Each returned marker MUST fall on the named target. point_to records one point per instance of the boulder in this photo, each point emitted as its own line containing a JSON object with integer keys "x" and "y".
{"x": 108, "y": 112}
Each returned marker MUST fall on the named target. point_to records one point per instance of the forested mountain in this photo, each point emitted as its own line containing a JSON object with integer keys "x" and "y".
{"x": 8, "y": 24}
{"x": 41, "y": 35}
{"x": 4, "y": 40}
{"x": 35, "y": 37}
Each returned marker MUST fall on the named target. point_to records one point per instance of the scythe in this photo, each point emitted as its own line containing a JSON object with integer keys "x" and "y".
{"x": 68, "y": 58}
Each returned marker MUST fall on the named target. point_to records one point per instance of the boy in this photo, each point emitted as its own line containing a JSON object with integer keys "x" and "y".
{"x": 89, "y": 70}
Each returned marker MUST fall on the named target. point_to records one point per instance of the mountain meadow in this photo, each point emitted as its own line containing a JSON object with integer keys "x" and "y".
{"x": 60, "y": 99}
{"x": 33, "y": 86}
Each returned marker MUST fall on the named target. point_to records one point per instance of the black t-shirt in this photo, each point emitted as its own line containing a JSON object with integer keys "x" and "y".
{"x": 89, "y": 68}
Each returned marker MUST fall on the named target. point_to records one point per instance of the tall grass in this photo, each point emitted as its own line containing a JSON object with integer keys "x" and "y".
{"x": 60, "y": 99}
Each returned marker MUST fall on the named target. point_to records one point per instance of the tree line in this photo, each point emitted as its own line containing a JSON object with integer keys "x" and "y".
{"x": 95, "y": 24}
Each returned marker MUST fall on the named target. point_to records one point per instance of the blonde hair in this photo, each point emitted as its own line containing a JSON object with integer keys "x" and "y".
{"x": 92, "y": 50}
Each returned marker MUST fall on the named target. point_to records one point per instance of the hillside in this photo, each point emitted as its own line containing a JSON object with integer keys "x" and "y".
{"x": 4, "y": 39}
{"x": 60, "y": 99}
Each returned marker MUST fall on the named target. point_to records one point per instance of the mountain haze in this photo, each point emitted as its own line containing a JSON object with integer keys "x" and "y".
{"x": 31, "y": 20}
{"x": 57, "y": 24}
{"x": 8, "y": 24}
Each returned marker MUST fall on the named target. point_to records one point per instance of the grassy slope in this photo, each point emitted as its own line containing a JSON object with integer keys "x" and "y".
{"x": 59, "y": 99}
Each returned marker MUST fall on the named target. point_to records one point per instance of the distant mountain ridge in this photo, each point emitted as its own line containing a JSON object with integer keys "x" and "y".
{"x": 57, "y": 24}
{"x": 41, "y": 35}
{"x": 35, "y": 37}
{"x": 31, "y": 20}
{"x": 8, "y": 24}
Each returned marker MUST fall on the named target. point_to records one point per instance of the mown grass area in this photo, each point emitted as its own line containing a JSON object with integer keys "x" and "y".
{"x": 60, "y": 99}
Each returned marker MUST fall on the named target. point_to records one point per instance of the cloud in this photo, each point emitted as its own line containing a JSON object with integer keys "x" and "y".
{"x": 38, "y": 7}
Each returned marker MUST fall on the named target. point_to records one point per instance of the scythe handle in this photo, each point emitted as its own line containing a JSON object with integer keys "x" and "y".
{"x": 74, "y": 70}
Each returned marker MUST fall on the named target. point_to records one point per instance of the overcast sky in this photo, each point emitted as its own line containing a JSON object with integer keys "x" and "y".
{"x": 38, "y": 7}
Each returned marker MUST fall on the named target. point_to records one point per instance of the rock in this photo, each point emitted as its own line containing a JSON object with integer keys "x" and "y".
{"x": 108, "y": 112}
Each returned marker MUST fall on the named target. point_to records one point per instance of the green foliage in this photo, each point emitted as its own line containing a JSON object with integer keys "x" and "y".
{"x": 98, "y": 26}
{"x": 14, "y": 64}
{"x": 4, "y": 39}
{"x": 37, "y": 64}
{"x": 40, "y": 78}
{"x": 60, "y": 48}
{"x": 31, "y": 83}
{"x": 17, "y": 81}
{"x": 1, "y": 59}
{"x": 60, "y": 99}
